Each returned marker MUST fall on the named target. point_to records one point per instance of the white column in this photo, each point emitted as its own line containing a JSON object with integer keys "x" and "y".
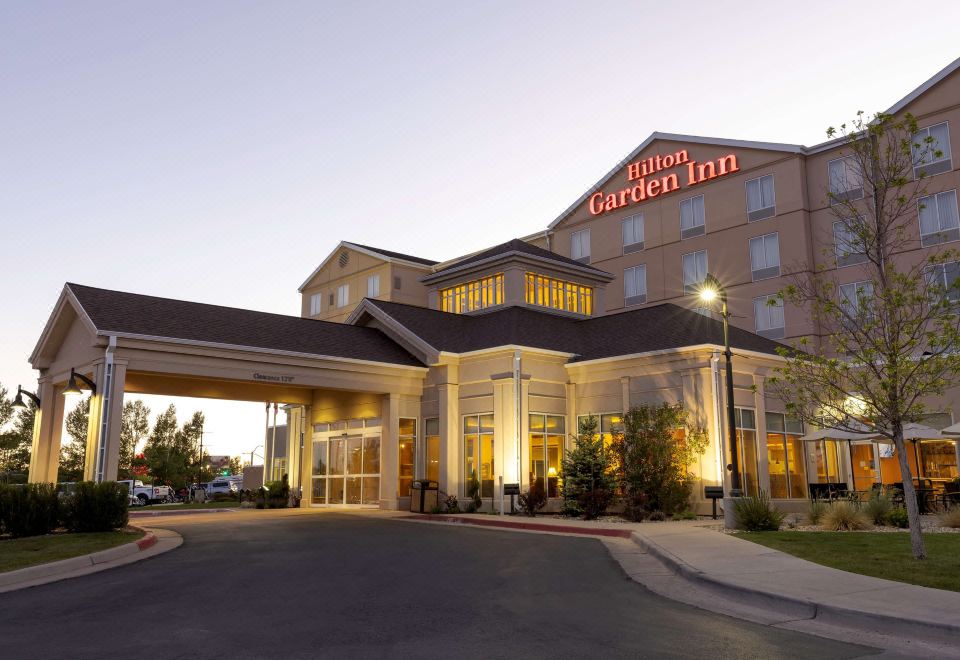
{"x": 47, "y": 429}
{"x": 389, "y": 451}
{"x": 111, "y": 417}
{"x": 450, "y": 445}
{"x": 763, "y": 459}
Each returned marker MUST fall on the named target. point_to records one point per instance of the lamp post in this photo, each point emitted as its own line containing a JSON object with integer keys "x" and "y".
{"x": 710, "y": 291}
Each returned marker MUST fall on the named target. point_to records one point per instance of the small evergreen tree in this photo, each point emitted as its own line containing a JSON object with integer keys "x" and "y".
{"x": 588, "y": 480}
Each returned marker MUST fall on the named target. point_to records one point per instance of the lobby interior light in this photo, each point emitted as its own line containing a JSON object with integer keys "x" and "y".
{"x": 18, "y": 401}
{"x": 73, "y": 388}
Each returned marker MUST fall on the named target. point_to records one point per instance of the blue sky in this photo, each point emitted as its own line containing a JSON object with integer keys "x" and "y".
{"x": 217, "y": 151}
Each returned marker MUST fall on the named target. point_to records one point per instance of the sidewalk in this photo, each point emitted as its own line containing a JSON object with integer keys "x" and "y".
{"x": 766, "y": 579}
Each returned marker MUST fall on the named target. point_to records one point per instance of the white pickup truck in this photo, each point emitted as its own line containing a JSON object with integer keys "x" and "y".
{"x": 148, "y": 494}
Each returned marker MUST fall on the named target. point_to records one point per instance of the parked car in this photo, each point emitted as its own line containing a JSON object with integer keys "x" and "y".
{"x": 148, "y": 494}
{"x": 222, "y": 486}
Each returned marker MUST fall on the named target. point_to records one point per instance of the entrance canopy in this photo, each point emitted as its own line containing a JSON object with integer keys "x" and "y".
{"x": 126, "y": 342}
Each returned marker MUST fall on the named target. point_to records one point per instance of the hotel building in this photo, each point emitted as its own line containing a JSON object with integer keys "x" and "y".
{"x": 401, "y": 368}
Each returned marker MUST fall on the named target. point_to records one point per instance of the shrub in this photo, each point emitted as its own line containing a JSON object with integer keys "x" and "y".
{"x": 815, "y": 512}
{"x": 877, "y": 507}
{"x": 29, "y": 509}
{"x": 588, "y": 480}
{"x": 278, "y": 494}
{"x": 224, "y": 497}
{"x": 657, "y": 516}
{"x": 471, "y": 507}
{"x": 435, "y": 509}
{"x": 844, "y": 515}
{"x": 757, "y": 514}
{"x": 532, "y": 501}
{"x": 653, "y": 460}
{"x": 473, "y": 490}
{"x": 451, "y": 505}
{"x": 685, "y": 515}
{"x": 96, "y": 507}
{"x": 950, "y": 517}
{"x": 898, "y": 518}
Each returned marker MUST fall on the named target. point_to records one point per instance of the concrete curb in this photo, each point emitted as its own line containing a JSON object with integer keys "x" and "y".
{"x": 175, "y": 512}
{"x": 518, "y": 525}
{"x": 84, "y": 564}
{"x": 797, "y": 608}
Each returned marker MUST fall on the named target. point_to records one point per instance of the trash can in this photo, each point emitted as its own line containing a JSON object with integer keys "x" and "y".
{"x": 424, "y": 495}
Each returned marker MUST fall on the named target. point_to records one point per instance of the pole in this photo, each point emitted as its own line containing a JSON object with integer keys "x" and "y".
{"x": 200, "y": 462}
{"x": 736, "y": 489}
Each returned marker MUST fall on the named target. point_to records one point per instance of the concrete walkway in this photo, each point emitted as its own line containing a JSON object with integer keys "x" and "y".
{"x": 748, "y": 580}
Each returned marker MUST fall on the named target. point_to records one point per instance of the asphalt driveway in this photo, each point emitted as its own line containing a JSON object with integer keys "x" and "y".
{"x": 257, "y": 585}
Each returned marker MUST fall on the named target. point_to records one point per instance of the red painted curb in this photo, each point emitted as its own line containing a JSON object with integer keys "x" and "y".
{"x": 147, "y": 541}
{"x": 529, "y": 526}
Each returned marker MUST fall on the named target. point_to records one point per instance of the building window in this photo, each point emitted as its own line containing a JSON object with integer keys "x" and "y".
{"x": 470, "y": 297}
{"x": 694, "y": 270}
{"x": 845, "y": 181}
{"x": 546, "y": 451}
{"x": 478, "y": 445}
{"x": 633, "y": 230}
{"x": 431, "y": 428}
{"x": 635, "y": 285}
{"x": 855, "y": 302}
{"x": 343, "y": 295}
{"x": 397, "y": 282}
{"x": 747, "y": 450}
{"x": 765, "y": 256}
{"x": 931, "y": 150}
{"x": 315, "y": 300}
{"x": 546, "y": 291}
{"x": 408, "y": 452}
{"x": 580, "y": 246}
{"x": 786, "y": 464}
{"x": 761, "y": 200}
{"x": 939, "y": 220}
{"x": 938, "y": 459}
{"x": 768, "y": 314}
{"x": 848, "y": 246}
{"x": 279, "y": 469}
{"x": 608, "y": 425}
{"x": 692, "y": 217}
{"x": 373, "y": 286}
{"x": 943, "y": 280}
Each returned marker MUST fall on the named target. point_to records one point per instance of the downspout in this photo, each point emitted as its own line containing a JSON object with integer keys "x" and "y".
{"x": 717, "y": 425}
{"x": 106, "y": 396}
{"x": 518, "y": 411}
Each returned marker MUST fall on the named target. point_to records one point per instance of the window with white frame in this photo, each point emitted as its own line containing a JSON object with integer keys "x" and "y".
{"x": 768, "y": 315}
{"x": 632, "y": 229}
{"x": 315, "y": 303}
{"x": 855, "y": 302}
{"x": 694, "y": 270}
{"x": 343, "y": 295}
{"x": 761, "y": 200}
{"x": 848, "y": 247}
{"x": 373, "y": 286}
{"x": 635, "y": 285}
{"x": 931, "y": 150}
{"x": 939, "y": 220}
{"x": 580, "y": 246}
{"x": 692, "y": 217}
{"x": 765, "y": 256}
{"x": 944, "y": 279}
{"x": 845, "y": 180}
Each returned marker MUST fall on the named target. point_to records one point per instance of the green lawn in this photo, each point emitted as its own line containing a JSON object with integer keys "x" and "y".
{"x": 20, "y": 553}
{"x": 880, "y": 554}
{"x": 187, "y": 505}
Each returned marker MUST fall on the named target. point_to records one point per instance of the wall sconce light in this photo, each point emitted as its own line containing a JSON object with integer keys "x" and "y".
{"x": 18, "y": 401}
{"x": 73, "y": 388}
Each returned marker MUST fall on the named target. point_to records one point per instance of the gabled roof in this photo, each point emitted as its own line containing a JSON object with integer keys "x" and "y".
{"x": 516, "y": 247}
{"x": 135, "y": 315}
{"x": 673, "y": 137}
{"x": 386, "y": 255}
{"x": 649, "y": 329}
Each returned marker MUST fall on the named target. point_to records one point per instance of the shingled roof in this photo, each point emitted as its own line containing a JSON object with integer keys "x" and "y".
{"x": 135, "y": 314}
{"x": 516, "y": 247}
{"x": 655, "y": 328}
{"x": 395, "y": 255}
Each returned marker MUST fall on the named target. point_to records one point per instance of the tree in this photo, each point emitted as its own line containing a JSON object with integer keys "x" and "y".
{"x": 134, "y": 427}
{"x": 167, "y": 464}
{"x": 73, "y": 453}
{"x": 16, "y": 435}
{"x": 188, "y": 442}
{"x": 654, "y": 454}
{"x": 888, "y": 343}
{"x": 587, "y": 470}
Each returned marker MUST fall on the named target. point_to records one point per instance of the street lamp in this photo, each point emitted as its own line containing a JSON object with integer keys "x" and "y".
{"x": 18, "y": 401}
{"x": 73, "y": 388}
{"x": 710, "y": 291}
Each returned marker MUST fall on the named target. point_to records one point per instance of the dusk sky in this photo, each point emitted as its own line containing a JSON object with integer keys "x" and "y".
{"x": 218, "y": 151}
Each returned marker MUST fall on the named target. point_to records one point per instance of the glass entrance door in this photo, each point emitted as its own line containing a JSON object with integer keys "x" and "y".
{"x": 346, "y": 464}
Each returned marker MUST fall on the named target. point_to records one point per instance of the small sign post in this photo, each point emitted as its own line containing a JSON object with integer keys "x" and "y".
{"x": 512, "y": 490}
